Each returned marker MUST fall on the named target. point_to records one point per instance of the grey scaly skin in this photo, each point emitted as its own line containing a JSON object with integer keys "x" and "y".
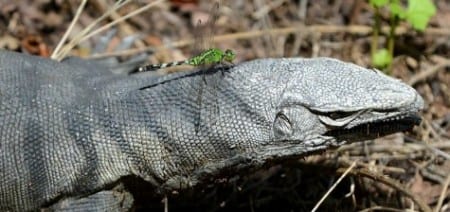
{"x": 70, "y": 131}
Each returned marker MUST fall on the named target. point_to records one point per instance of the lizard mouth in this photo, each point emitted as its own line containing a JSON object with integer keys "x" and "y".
{"x": 375, "y": 129}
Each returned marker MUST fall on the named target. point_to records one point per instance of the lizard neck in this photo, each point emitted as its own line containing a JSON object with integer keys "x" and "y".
{"x": 177, "y": 128}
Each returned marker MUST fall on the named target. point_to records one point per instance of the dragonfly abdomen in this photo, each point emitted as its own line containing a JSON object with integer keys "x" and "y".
{"x": 154, "y": 67}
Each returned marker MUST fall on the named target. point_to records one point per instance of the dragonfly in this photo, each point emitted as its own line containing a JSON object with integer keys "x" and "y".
{"x": 207, "y": 57}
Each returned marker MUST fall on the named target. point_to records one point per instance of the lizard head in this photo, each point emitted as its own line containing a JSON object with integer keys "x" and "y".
{"x": 274, "y": 109}
{"x": 318, "y": 103}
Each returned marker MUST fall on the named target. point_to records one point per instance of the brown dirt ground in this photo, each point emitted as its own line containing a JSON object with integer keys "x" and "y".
{"x": 390, "y": 172}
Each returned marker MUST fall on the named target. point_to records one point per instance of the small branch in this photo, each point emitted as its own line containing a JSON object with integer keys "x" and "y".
{"x": 60, "y": 54}
{"x": 333, "y": 186}
{"x": 390, "y": 182}
{"x": 430, "y": 72}
{"x": 443, "y": 194}
{"x": 66, "y": 34}
{"x": 84, "y": 36}
{"x": 323, "y": 29}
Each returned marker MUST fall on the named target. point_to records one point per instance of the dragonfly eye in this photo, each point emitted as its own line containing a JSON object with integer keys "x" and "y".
{"x": 230, "y": 54}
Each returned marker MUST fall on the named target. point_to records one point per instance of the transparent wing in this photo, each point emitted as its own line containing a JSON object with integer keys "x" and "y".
{"x": 204, "y": 32}
{"x": 203, "y": 42}
{"x": 210, "y": 25}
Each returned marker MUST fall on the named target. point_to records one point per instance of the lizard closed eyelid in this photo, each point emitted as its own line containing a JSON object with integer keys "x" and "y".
{"x": 282, "y": 126}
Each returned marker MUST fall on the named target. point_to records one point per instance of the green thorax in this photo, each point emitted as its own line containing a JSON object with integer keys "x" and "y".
{"x": 211, "y": 56}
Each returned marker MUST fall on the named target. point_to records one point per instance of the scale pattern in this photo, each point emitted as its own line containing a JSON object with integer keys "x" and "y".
{"x": 70, "y": 131}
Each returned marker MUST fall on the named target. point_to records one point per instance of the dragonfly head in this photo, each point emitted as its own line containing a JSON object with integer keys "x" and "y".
{"x": 229, "y": 55}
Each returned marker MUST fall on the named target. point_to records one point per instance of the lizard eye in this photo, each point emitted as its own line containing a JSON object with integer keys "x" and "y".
{"x": 282, "y": 126}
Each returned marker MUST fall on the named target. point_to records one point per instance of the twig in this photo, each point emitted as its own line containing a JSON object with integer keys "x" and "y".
{"x": 333, "y": 186}
{"x": 64, "y": 51}
{"x": 323, "y": 29}
{"x": 266, "y": 8}
{"x": 443, "y": 194}
{"x": 84, "y": 37}
{"x": 388, "y": 181}
{"x": 425, "y": 74}
{"x": 302, "y": 9}
{"x": 66, "y": 34}
{"x": 125, "y": 25}
{"x": 381, "y": 208}
{"x": 381, "y": 168}
{"x": 166, "y": 203}
{"x": 107, "y": 26}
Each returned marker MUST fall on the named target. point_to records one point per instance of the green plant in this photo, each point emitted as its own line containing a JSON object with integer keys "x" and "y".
{"x": 417, "y": 13}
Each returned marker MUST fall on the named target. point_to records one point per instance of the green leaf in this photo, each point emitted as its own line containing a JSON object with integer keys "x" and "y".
{"x": 397, "y": 9}
{"x": 379, "y": 3}
{"x": 382, "y": 58}
{"x": 419, "y": 13}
